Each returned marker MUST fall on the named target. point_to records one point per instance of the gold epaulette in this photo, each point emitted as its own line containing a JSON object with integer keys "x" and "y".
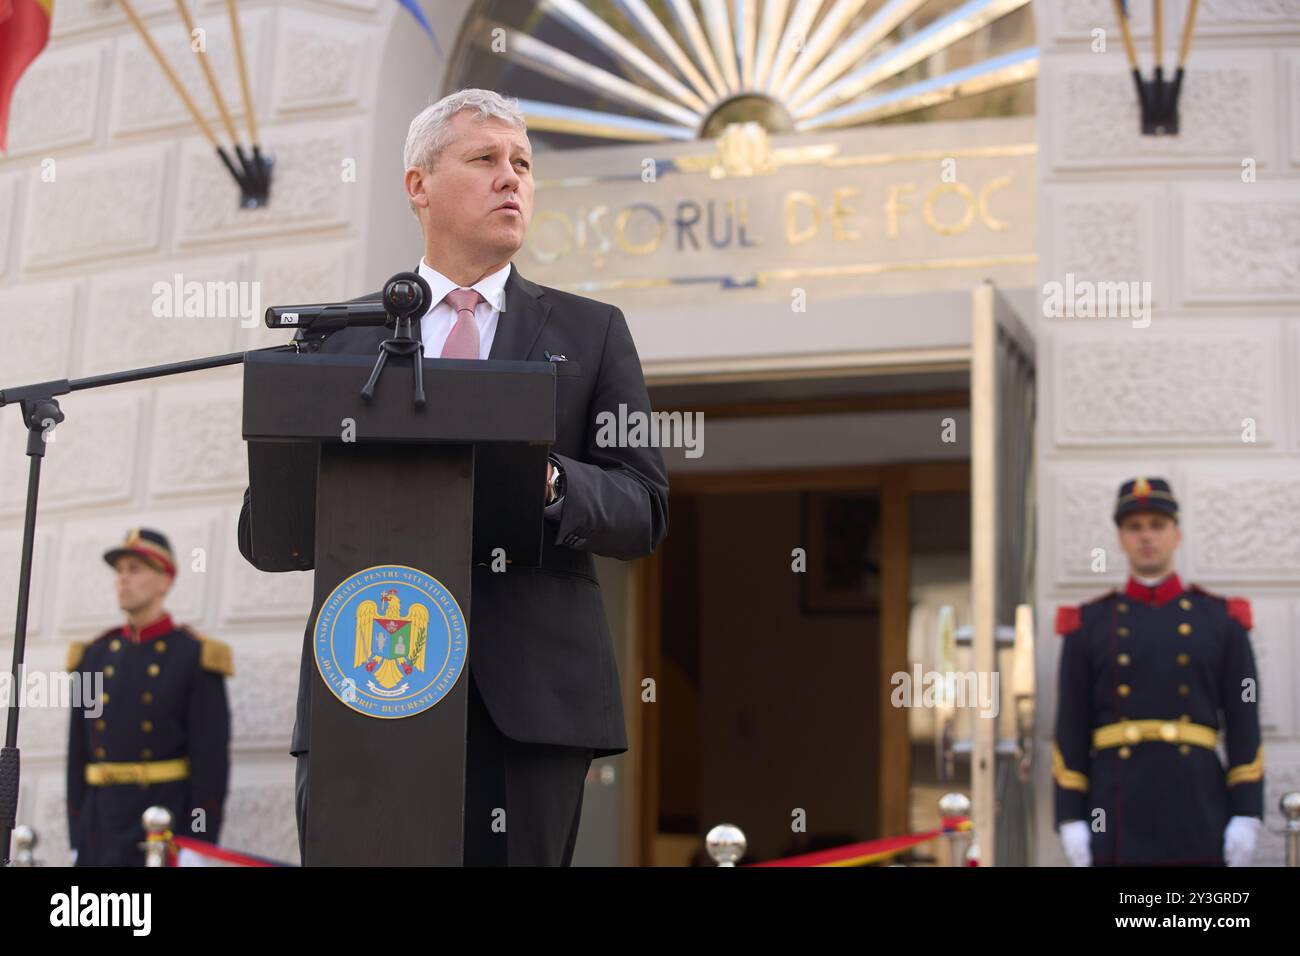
{"x": 214, "y": 655}
{"x": 76, "y": 651}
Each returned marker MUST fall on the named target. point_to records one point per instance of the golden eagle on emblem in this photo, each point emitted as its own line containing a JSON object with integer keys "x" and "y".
{"x": 390, "y": 643}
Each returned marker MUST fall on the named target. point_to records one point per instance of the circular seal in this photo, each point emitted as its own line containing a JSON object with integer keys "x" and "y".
{"x": 390, "y": 641}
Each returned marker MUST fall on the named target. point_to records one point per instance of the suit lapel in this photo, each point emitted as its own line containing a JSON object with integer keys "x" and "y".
{"x": 521, "y": 320}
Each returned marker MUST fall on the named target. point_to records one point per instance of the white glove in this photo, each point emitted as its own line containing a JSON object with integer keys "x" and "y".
{"x": 1076, "y": 840}
{"x": 1239, "y": 838}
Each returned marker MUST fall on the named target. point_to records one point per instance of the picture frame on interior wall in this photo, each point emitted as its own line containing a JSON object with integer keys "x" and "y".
{"x": 841, "y": 532}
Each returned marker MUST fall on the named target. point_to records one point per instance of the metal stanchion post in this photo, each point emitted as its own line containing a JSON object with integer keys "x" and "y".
{"x": 726, "y": 844}
{"x": 157, "y": 835}
{"x": 24, "y": 846}
{"x": 1290, "y": 807}
{"x": 956, "y": 805}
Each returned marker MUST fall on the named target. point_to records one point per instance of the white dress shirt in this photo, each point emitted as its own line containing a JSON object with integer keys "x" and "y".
{"x": 436, "y": 324}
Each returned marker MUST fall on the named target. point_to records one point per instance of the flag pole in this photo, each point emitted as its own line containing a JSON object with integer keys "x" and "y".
{"x": 260, "y": 164}
{"x": 217, "y": 98}
{"x": 180, "y": 89}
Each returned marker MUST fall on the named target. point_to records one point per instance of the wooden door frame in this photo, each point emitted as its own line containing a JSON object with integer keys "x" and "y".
{"x": 897, "y": 483}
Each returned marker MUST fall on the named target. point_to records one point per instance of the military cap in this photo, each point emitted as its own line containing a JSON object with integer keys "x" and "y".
{"x": 148, "y": 545}
{"x": 1145, "y": 494}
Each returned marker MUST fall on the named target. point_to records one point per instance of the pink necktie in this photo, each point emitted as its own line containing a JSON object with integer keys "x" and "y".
{"x": 463, "y": 343}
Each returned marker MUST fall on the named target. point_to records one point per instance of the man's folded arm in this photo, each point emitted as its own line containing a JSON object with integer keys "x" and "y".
{"x": 616, "y": 497}
{"x": 245, "y": 535}
{"x": 245, "y": 532}
{"x": 335, "y": 343}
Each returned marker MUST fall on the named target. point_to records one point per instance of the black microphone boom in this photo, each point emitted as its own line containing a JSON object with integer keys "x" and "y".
{"x": 327, "y": 317}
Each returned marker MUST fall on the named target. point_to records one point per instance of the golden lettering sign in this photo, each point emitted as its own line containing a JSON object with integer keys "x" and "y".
{"x": 748, "y": 214}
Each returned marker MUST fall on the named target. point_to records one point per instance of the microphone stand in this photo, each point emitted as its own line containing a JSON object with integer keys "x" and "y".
{"x": 403, "y": 296}
{"x": 400, "y": 344}
{"x": 41, "y": 412}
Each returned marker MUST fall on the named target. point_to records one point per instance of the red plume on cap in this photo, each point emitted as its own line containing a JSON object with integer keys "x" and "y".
{"x": 1142, "y": 491}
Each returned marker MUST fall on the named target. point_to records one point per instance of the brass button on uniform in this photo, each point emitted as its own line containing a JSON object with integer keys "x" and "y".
{"x": 1125, "y": 753}
{"x": 101, "y": 753}
{"x": 1123, "y": 660}
{"x": 104, "y": 697}
{"x": 1123, "y": 632}
{"x": 1123, "y": 608}
{"x": 1185, "y": 604}
{"x": 101, "y": 724}
{"x": 1123, "y": 690}
{"x": 146, "y": 725}
{"x": 146, "y": 753}
{"x": 115, "y": 644}
{"x": 1183, "y": 660}
{"x": 1184, "y": 749}
{"x": 154, "y": 670}
{"x": 1132, "y": 734}
{"x": 1183, "y": 690}
{"x": 109, "y": 671}
{"x": 1184, "y": 628}
{"x": 147, "y": 697}
{"x": 160, "y": 646}
{"x": 1185, "y": 718}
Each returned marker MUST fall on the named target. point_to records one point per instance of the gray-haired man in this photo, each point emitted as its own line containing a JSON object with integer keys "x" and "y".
{"x": 544, "y": 695}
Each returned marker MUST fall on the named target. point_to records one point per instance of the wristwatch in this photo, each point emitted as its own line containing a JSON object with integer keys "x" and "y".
{"x": 555, "y": 484}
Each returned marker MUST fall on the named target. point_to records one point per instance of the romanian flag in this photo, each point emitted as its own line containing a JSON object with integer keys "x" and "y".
{"x": 24, "y": 31}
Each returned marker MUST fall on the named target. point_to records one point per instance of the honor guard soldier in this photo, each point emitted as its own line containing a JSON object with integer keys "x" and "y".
{"x": 1150, "y": 677}
{"x": 159, "y": 732}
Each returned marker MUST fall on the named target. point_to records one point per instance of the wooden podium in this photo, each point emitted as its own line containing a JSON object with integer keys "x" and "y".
{"x": 340, "y": 485}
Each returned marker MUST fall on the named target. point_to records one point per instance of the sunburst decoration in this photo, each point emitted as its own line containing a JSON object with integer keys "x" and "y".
{"x": 755, "y": 59}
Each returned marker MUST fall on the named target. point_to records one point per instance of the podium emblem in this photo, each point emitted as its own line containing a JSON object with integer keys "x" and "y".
{"x": 390, "y": 641}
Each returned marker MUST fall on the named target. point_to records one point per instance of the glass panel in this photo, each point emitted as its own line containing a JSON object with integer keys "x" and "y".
{"x": 940, "y": 578}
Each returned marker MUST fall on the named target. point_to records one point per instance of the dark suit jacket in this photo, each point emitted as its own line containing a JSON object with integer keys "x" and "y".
{"x": 540, "y": 649}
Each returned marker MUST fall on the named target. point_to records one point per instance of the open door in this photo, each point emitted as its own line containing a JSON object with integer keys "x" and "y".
{"x": 1002, "y": 545}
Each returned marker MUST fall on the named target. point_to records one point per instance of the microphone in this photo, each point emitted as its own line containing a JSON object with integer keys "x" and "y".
{"x": 326, "y": 317}
{"x": 405, "y": 296}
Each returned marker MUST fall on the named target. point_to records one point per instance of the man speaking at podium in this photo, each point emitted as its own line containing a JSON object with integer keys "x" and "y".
{"x": 544, "y": 694}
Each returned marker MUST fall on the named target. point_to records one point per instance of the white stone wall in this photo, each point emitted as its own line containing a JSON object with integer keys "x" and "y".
{"x": 1223, "y": 344}
{"x": 136, "y": 197}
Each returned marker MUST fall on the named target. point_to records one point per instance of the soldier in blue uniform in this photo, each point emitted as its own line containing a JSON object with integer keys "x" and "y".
{"x": 162, "y": 732}
{"x": 1150, "y": 677}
